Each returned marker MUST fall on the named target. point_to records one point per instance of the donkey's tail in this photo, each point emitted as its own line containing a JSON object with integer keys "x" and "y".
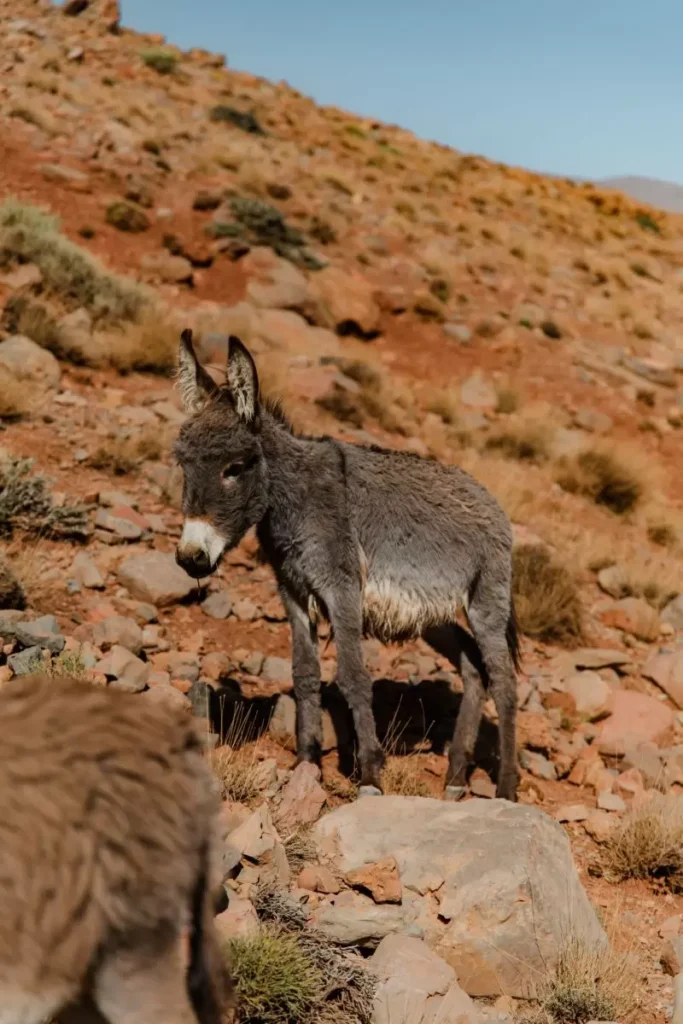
{"x": 209, "y": 982}
{"x": 512, "y": 637}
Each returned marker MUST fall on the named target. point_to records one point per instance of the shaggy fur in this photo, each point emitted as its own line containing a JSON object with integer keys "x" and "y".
{"x": 378, "y": 542}
{"x": 106, "y": 816}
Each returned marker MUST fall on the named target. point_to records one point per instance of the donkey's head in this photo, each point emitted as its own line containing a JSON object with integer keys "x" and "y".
{"x": 219, "y": 450}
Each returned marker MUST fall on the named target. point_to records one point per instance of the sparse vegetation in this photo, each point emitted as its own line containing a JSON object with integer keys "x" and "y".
{"x": 605, "y": 477}
{"x": 551, "y": 330}
{"x": 127, "y": 216}
{"x": 26, "y": 504}
{"x": 648, "y": 843}
{"x": 508, "y": 402}
{"x": 242, "y": 119}
{"x": 11, "y": 591}
{"x": 164, "y": 62}
{"x": 28, "y": 234}
{"x": 525, "y": 441}
{"x": 546, "y": 597}
{"x": 276, "y": 982}
{"x": 150, "y": 345}
{"x": 123, "y": 455}
{"x": 14, "y": 397}
{"x": 587, "y": 984}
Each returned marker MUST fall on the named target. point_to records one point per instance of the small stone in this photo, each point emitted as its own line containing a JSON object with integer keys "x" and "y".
{"x": 277, "y": 670}
{"x": 672, "y": 955}
{"x": 239, "y": 921}
{"x": 673, "y": 613}
{"x": 316, "y": 878}
{"x": 483, "y": 787}
{"x": 217, "y": 606}
{"x": 303, "y": 797}
{"x": 538, "y": 765}
{"x": 461, "y": 332}
{"x": 156, "y": 578}
{"x": 592, "y": 695}
{"x": 124, "y": 670}
{"x": 168, "y": 696}
{"x": 28, "y": 660}
{"x": 215, "y": 666}
{"x": 380, "y": 880}
{"x": 245, "y": 610}
{"x": 478, "y": 393}
{"x": 636, "y": 718}
{"x": 665, "y": 668}
{"x": 86, "y": 572}
{"x": 118, "y": 630}
{"x": 117, "y": 525}
{"x": 611, "y": 802}
{"x": 599, "y": 825}
{"x": 633, "y": 616}
{"x": 572, "y": 812}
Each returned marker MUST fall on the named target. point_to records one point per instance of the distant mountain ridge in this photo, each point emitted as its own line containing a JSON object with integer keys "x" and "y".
{"x": 665, "y": 195}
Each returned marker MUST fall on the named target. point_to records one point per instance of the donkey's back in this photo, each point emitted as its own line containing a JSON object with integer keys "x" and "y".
{"x": 106, "y": 819}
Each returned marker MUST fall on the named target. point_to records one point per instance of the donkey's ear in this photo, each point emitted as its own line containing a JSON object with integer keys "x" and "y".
{"x": 242, "y": 380}
{"x": 195, "y": 384}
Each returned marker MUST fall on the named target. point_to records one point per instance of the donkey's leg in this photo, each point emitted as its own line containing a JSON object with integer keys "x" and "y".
{"x": 306, "y": 678}
{"x": 355, "y": 684}
{"x": 455, "y": 643}
{"x": 488, "y": 614}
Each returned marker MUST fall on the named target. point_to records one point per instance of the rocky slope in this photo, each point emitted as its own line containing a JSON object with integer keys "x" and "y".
{"x": 392, "y": 291}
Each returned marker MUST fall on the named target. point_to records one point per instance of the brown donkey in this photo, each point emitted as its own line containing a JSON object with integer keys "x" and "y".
{"x": 106, "y": 823}
{"x": 378, "y": 542}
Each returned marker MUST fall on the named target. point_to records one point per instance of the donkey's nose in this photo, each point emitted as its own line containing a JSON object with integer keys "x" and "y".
{"x": 195, "y": 561}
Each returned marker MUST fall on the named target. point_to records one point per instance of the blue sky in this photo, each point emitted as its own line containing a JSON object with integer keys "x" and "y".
{"x": 587, "y": 88}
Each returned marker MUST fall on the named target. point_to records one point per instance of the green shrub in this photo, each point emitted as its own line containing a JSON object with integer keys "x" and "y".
{"x": 160, "y": 60}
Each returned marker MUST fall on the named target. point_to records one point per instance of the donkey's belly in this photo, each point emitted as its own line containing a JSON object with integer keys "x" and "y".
{"x": 402, "y": 609}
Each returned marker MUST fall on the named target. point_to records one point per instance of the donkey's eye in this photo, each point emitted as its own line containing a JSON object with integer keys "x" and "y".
{"x": 233, "y": 470}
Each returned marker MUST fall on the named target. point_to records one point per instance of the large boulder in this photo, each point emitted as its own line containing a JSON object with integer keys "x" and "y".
{"x": 491, "y": 885}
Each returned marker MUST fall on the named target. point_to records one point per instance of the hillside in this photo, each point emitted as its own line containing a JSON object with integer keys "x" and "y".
{"x": 663, "y": 194}
{"x": 392, "y": 291}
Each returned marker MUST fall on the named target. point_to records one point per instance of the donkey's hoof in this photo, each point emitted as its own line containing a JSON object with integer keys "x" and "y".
{"x": 454, "y": 792}
{"x": 369, "y": 791}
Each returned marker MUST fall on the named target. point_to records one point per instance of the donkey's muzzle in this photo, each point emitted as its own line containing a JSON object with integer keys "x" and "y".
{"x": 195, "y": 562}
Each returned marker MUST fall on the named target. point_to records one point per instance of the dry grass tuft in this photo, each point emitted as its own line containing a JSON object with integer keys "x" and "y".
{"x": 649, "y": 842}
{"x": 606, "y": 476}
{"x": 401, "y": 776}
{"x": 236, "y": 763}
{"x": 123, "y": 455}
{"x": 588, "y": 984}
{"x": 28, "y": 234}
{"x": 525, "y": 441}
{"x": 546, "y": 597}
{"x": 151, "y": 345}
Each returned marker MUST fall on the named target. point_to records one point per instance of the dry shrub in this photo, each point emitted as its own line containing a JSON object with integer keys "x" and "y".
{"x": 28, "y": 234}
{"x": 649, "y": 842}
{"x": 588, "y": 984}
{"x": 606, "y": 476}
{"x": 546, "y": 597}
{"x": 151, "y": 345}
{"x": 236, "y": 763}
{"x": 400, "y": 775}
{"x": 123, "y": 455}
{"x": 445, "y": 405}
{"x": 29, "y": 564}
{"x": 14, "y": 397}
{"x": 27, "y": 504}
{"x": 508, "y": 401}
{"x": 525, "y": 441}
{"x": 12, "y": 594}
{"x": 657, "y": 578}
{"x": 373, "y": 399}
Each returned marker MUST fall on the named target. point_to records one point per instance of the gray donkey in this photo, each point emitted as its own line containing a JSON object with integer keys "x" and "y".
{"x": 378, "y": 542}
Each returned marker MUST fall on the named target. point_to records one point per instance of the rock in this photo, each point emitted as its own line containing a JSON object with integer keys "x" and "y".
{"x": 155, "y": 577}
{"x": 78, "y": 180}
{"x": 600, "y": 825}
{"x": 478, "y": 393}
{"x": 239, "y": 921}
{"x": 537, "y": 764}
{"x": 354, "y": 920}
{"x": 673, "y": 613}
{"x": 179, "y": 664}
{"x": 303, "y": 797}
{"x": 277, "y": 670}
{"x": 593, "y": 421}
{"x": 282, "y": 725}
{"x": 381, "y": 880}
{"x": 127, "y": 217}
{"x": 613, "y": 581}
{"x": 28, "y": 362}
{"x": 28, "y": 660}
{"x": 665, "y": 668}
{"x": 168, "y": 696}
{"x": 592, "y": 695}
{"x": 634, "y": 616}
{"x": 645, "y": 758}
{"x": 215, "y": 665}
{"x": 11, "y": 591}
{"x": 672, "y": 955}
{"x": 572, "y": 812}
{"x": 461, "y": 332}
{"x": 256, "y": 836}
{"x": 416, "y": 986}
{"x": 317, "y": 878}
{"x": 611, "y": 802}
{"x": 118, "y": 630}
{"x": 245, "y": 610}
{"x": 27, "y": 275}
{"x": 167, "y": 268}
{"x": 510, "y": 893}
{"x": 677, "y": 1017}
{"x": 43, "y": 632}
{"x": 597, "y": 657}
{"x": 344, "y": 301}
{"x": 86, "y": 572}
{"x": 124, "y": 670}
{"x": 273, "y": 282}
{"x": 217, "y": 606}
{"x": 636, "y": 718}
{"x": 534, "y": 730}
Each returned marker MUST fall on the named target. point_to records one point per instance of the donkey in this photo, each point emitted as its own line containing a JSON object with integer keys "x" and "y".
{"x": 107, "y": 860}
{"x": 379, "y": 543}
